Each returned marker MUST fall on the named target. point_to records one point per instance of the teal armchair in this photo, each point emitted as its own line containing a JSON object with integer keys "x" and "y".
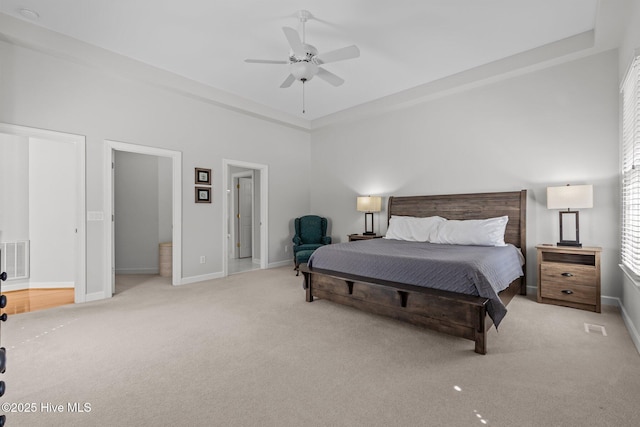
{"x": 310, "y": 234}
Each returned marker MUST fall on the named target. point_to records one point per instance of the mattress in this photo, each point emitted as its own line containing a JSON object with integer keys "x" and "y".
{"x": 472, "y": 270}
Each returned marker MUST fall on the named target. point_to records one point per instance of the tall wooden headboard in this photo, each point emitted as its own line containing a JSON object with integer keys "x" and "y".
{"x": 470, "y": 206}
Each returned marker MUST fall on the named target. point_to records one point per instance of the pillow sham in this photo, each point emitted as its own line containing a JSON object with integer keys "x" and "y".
{"x": 477, "y": 232}
{"x": 413, "y": 229}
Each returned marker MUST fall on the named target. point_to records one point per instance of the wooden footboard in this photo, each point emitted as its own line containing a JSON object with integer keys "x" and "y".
{"x": 460, "y": 315}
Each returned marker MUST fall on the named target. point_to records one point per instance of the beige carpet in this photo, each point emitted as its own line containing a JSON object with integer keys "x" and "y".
{"x": 249, "y": 351}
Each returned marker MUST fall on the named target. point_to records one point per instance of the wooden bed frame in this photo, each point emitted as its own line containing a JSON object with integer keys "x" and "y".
{"x": 453, "y": 313}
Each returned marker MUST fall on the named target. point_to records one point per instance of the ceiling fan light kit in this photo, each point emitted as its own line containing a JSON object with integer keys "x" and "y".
{"x": 303, "y": 71}
{"x": 305, "y": 61}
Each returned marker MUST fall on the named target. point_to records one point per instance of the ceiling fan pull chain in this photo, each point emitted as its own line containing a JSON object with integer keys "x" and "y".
{"x": 303, "y": 97}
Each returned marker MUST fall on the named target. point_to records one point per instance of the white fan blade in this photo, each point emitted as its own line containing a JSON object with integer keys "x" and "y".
{"x": 294, "y": 41}
{"x": 265, "y": 61}
{"x": 329, "y": 77}
{"x": 288, "y": 81}
{"x": 339, "y": 55}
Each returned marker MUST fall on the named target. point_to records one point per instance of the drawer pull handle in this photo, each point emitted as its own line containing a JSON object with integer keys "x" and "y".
{"x": 567, "y": 291}
{"x": 567, "y": 274}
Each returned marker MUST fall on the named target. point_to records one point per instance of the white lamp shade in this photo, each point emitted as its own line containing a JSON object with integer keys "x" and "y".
{"x": 570, "y": 197}
{"x": 369, "y": 204}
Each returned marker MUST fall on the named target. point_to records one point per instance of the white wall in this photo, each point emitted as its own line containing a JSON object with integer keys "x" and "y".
{"x": 14, "y": 188}
{"x": 44, "y": 91}
{"x": 52, "y": 215}
{"x": 550, "y": 127}
{"x": 630, "y": 291}
{"x": 37, "y": 203}
{"x": 141, "y": 211}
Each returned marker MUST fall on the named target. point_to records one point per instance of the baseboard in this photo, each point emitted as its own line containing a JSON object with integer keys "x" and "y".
{"x": 605, "y": 300}
{"x": 9, "y": 287}
{"x": 154, "y": 271}
{"x": 95, "y": 296}
{"x": 280, "y": 264}
{"x": 201, "y": 278}
{"x": 633, "y": 332}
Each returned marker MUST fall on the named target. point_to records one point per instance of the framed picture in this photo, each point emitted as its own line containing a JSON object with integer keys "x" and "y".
{"x": 203, "y": 195}
{"x": 203, "y": 176}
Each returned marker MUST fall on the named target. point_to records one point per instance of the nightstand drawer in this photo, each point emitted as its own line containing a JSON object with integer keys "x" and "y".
{"x": 569, "y": 276}
{"x": 569, "y": 292}
{"x": 566, "y": 274}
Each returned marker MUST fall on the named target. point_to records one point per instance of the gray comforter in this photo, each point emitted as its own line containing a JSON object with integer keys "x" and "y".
{"x": 473, "y": 270}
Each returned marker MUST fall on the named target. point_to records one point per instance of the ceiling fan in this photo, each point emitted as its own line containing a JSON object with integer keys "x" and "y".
{"x": 305, "y": 61}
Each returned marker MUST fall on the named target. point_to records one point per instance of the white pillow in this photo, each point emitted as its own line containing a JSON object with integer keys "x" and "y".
{"x": 413, "y": 229}
{"x": 479, "y": 232}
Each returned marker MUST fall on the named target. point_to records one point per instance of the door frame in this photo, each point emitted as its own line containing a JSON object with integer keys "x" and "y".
{"x": 79, "y": 141}
{"x": 176, "y": 167}
{"x": 263, "y": 171}
{"x": 234, "y": 203}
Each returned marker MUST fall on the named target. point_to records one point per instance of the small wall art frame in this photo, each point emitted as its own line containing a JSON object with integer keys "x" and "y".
{"x": 203, "y": 195}
{"x": 203, "y": 176}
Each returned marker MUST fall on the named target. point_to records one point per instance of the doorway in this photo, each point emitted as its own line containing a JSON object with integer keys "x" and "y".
{"x": 57, "y": 253}
{"x": 245, "y": 216}
{"x": 176, "y": 208}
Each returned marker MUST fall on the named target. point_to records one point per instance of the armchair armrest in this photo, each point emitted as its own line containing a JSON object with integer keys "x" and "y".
{"x": 326, "y": 240}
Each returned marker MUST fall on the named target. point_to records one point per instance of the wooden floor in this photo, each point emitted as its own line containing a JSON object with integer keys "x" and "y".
{"x": 37, "y": 299}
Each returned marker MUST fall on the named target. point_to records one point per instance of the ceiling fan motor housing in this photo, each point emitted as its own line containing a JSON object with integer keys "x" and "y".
{"x": 310, "y": 54}
{"x": 304, "y": 68}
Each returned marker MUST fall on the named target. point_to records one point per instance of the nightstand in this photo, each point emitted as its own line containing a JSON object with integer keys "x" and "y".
{"x": 569, "y": 276}
{"x": 353, "y": 237}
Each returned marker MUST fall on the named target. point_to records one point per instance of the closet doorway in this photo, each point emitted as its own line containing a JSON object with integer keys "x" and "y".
{"x": 111, "y": 147}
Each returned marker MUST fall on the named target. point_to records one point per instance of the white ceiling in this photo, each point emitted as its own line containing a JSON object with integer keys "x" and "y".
{"x": 403, "y": 43}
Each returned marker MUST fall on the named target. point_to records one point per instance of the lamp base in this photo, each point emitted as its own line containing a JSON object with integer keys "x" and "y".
{"x": 368, "y": 233}
{"x": 573, "y": 244}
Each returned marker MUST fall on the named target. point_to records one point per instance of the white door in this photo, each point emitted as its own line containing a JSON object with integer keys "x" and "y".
{"x": 245, "y": 216}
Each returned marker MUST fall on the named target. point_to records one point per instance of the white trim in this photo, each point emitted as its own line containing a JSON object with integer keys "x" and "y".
{"x": 633, "y": 278}
{"x": 201, "y": 278}
{"x": 176, "y": 157}
{"x": 281, "y": 264}
{"x": 264, "y": 210}
{"x": 633, "y": 332}
{"x": 40, "y": 285}
{"x": 134, "y": 270}
{"x": 51, "y": 285}
{"x": 79, "y": 142}
{"x": 94, "y": 296}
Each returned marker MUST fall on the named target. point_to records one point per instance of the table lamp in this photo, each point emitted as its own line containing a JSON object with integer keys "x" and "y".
{"x": 570, "y": 197}
{"x": 369, "y": 205}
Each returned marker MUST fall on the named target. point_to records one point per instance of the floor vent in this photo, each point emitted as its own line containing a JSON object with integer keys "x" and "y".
{"x": 598, "y": 329}
{"x": 14, "y": 259}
